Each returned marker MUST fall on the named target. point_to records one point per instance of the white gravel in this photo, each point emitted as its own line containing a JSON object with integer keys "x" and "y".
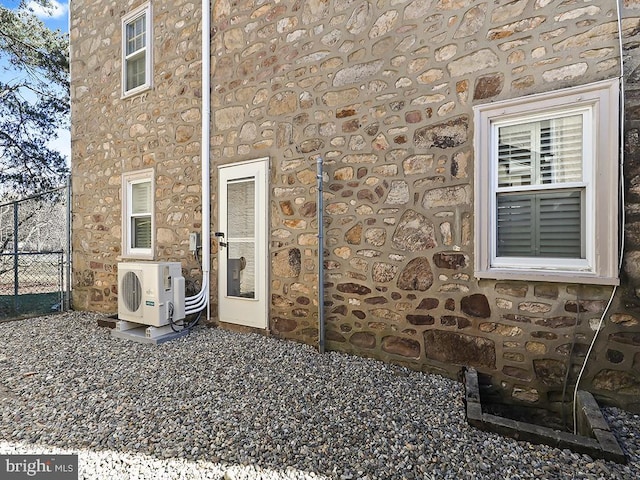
{"x": 218, "y": 404}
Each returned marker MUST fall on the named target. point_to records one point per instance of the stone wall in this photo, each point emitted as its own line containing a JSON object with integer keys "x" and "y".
{"x": 383, "y": 91}
{"x": 111, "y": 135}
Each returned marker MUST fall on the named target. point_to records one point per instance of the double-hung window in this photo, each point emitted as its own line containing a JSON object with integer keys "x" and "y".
{"x": 546, "y": 186}
{"x": 137, "y": 198}
{"x": 136, "y": 51}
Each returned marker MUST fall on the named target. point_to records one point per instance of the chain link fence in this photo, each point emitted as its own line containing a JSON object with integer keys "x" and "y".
{"x": 34, "y": 259}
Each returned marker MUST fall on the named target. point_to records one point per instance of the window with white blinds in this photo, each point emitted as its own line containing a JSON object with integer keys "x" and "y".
{"x": 546, "y": 186}
{"x": 141, "y": 214}
{"x": 136, "y": 38}
{"x": 545, "y": 159}
{"x": 137, "y": 211}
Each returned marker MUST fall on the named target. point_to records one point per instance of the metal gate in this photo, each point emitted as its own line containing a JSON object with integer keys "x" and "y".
{"x": 34, "y": 254}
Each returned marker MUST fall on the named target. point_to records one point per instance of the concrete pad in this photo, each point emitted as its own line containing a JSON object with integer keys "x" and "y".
{"x": 139, "y": 335}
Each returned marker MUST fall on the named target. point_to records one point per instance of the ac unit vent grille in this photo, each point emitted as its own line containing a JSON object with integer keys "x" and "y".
{"x": 131, "y": 290}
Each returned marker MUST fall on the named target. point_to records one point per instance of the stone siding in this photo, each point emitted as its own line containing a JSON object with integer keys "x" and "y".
{"x": 158, "y": 129}
{"x": 383, "y": 91}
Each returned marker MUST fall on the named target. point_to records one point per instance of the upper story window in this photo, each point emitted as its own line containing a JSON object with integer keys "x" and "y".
{"x": 136, "y": 50}
{"x": 546, "y": 184}
{"x": 137, "y": 217}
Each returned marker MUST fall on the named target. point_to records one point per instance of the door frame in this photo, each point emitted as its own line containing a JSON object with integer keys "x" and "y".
{"x": 231, "y": 309}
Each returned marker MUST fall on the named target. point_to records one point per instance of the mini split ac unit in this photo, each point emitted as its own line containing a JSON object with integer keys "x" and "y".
{"x": 150, "y": 293}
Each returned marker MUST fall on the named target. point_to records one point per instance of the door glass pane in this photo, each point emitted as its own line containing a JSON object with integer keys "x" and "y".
{"x": 241, "y": 268}
{"x": 241, "y": 220}
{"x": 241, "y": 208}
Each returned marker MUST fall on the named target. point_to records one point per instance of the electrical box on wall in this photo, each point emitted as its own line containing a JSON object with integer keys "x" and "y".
{"x": 194, "y": 241}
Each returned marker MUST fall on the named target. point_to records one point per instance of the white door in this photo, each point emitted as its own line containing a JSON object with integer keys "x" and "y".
{"x": 242, "y": 255}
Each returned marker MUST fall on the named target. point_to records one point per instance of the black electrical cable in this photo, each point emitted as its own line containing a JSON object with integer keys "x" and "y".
{"x": 189, "y": 326}
{"x": 171, "y": 321}
{"x": 194, "y": 322}
{"x": 197, "y": 257}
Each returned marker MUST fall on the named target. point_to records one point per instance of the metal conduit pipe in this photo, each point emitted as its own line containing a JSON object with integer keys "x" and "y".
{"x": 200, "y": 301}
{"x": 67, "y": 299}
{"x": 320, "y": 220}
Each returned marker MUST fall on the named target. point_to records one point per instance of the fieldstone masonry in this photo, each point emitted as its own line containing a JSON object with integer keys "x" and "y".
{"x": 383, "y": 91}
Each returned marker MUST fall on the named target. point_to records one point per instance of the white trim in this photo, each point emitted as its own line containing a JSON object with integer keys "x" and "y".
{"x": 245, "y": 162}
{"x": 148, "y": 50}
{"x": 129, "y": 179}
{"x": 599, "y": 104}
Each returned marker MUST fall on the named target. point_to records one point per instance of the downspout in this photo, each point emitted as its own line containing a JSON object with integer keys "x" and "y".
{"x": 200, "y": 301}
{"x": 320, "y": 220}
{"x": 206, "y": 143}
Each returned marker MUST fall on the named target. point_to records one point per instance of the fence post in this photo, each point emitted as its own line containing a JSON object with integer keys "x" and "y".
{"x": 15, "y": 256}
{"x": 63, "y": 303}
{"x": 67, "y": 303}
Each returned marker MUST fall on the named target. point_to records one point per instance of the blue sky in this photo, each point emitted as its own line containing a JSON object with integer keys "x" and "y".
{"x": 56, "y": 18}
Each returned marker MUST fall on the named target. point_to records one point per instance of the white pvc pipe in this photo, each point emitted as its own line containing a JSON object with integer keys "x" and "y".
{"x": 200, "y": 301}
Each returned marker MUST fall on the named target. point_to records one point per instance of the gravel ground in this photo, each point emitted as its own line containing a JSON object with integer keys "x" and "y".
{"x": 218, "y": 404}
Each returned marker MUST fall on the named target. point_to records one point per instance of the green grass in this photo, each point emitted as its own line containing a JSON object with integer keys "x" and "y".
{"x": 28, "y": 305}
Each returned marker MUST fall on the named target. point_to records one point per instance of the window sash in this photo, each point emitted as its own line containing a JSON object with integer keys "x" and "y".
{"x": 140, "y": 200}
{"x": 141, "y": 197}
{"x": 136, "y": 35}
{"x": 543, "y": 151}
{"x": 140, "y": 232}
{"x": 598, "y": 103}
{"x": 137, "y": 222}
{"x": 542, "y": 156}
{"x": 136, "y": 51}
{"x": 136, "y": 71}
{"x": 546, "y": 224}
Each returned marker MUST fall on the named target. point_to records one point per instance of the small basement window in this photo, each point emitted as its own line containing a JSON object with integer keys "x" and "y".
{"x": 137, "y": 198}
{"x": 546, "y": 186}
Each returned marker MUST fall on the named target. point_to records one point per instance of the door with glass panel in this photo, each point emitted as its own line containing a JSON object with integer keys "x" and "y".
{"x": 242, "y": 253}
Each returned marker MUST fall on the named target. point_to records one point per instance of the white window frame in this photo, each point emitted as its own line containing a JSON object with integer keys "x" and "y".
{"x": 599, "y": 103}
{"x": 128, "y": 180}
{"x": 148, "y": 49}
